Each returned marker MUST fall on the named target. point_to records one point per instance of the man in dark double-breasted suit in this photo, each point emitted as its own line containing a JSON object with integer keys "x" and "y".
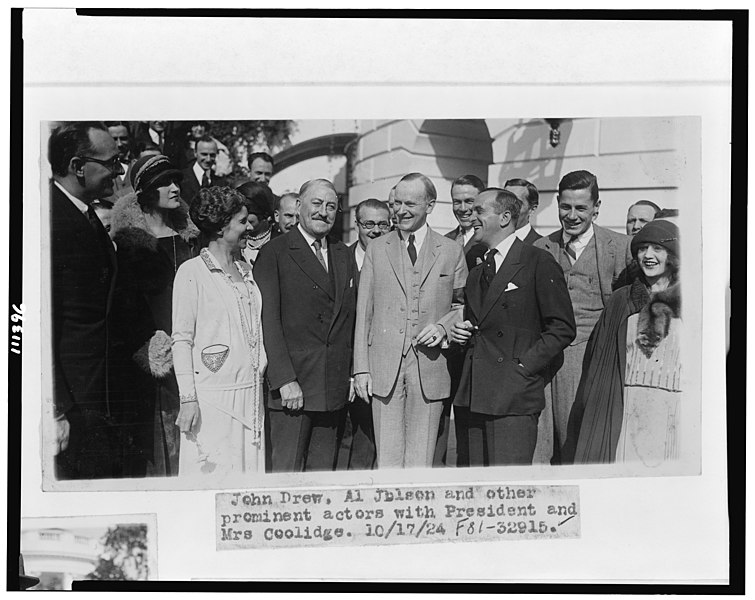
{"x": 84, "y": 161}
{"x": 308, "y": 304}
{"x": 518, "y": 318}
{"x": 200, "y": 173}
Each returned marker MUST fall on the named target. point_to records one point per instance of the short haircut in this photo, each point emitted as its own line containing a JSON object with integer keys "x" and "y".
{"x": 472, "y": 180}
{"x": 667, "y": 212}
{"x": 263, "y": 155}
{"x": 213, "y": 208}
{"x": 258, "y": 199}
{"x": 372, "y": 203}
{"x": 533, "y": 197}
{"x": 506, "y": 201}
{"x": 70, "y": 139}
{"x": 314, "y": 183}
{"x": 110, "y": 124}
{"x": 653, "y": 205}
{"x": 205, "y": 139}
{"x": 279, "y": 199}
{"x": 430, "y": 192}
{"x": 580, "y": 180}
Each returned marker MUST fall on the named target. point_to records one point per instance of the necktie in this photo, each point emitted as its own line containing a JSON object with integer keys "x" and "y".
{"x": 412, "y": 249}
{"x": 205, "y": 180}
{"x": 570, "y": 249}
{"x": 317, "y": 245}
{"x": 488, "y": 271}
{"x": 460, "y": 238}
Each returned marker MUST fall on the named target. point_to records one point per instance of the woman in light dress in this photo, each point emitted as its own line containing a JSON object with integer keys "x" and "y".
{"x": 218, "y": 351}
{"x": 629, "y": 400}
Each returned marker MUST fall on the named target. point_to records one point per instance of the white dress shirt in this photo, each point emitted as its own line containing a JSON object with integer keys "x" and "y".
{"x": 359, "y": 255}
{"x": 581, "y": 242}
{"x": 503, "y": 249}
{"x": 311, "y": 240}
{"x": 419, "y": 237}
{"x": 82, "y": 206}
{"x": 523, "y": 232}
{"x": 199, "y": 172}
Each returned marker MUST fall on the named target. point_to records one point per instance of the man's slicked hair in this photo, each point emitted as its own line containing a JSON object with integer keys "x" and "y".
{"x": 263, "y": 155}
{"x": 653, "y": 205}
{"x": 580, "y": 180}
{"x": 430, "y": 193}
{"x": 70, "y": 139}
{"x": 472, "y": 180}
{"x": 315, "y": 182}
{"x": 506, "y": 201}
{"x": 533, "y": 196}
{"x": 371, "y": 203}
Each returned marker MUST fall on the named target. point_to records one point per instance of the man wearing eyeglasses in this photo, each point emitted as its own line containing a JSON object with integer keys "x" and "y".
{"x": 84, "y": 160}
{"x": 373, "y": 219}
{"x": 308, "y": 306}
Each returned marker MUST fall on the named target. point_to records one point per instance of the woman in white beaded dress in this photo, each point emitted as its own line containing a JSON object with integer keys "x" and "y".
{"x": 218, "y": 351}
{"x": 629, "y": 401}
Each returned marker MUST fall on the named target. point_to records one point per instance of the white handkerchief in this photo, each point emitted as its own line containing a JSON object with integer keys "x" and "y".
{"x": 511, "y": 286}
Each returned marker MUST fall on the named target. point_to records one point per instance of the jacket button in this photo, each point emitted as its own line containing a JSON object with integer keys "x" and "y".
{"x": 314, "y": 287}
{"x": 500, "y": 334}
{"x": 500, "y": 359}
{"x": 401, "y": 331}
{"x": 504, "y": 305}
{"x": 478, "y": 332}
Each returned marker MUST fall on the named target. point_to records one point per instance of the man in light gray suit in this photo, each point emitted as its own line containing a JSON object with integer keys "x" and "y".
{"x": 410, "y": 294}
{"x": 592, "y": 259}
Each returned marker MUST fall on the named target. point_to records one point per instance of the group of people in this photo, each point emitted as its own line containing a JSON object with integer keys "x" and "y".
{"x": 220, "y": 329}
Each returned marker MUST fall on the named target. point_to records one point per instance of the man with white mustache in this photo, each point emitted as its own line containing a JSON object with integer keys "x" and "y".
{"x": 592, "y": 259}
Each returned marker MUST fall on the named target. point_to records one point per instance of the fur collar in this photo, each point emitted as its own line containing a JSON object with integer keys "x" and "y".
{"x": 655, "y": 317}
{"x": 127, "y": 214}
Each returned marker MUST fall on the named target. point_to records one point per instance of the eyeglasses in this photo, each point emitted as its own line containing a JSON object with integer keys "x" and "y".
{"x": 382, "y": 225}
{"x": 112, "y": 163}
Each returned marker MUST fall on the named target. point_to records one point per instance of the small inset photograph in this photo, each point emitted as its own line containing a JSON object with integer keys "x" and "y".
{"x": 57, "y": 551}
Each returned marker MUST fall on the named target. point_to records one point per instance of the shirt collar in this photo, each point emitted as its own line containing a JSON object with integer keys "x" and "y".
{"x": 504, "y": 247}
{"x": 82, "y": 206}
{"x": 198, "y": 171}
{"x": 582, "y": 239}
{"x": 310, "y": 239}
{"x": 419, "y": 235}
{"x": 523, "y": 232}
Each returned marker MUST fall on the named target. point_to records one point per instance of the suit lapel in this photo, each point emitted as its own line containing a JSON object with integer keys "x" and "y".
{"x": 305, "y": 258}
{"x": 339, "y": 264}
{"x": 474, "y": 293}
{"x": 605, "y": 250}
{"x": 432, "y": 251}
{"x": 503, "y": 276}
{"x": 394, "y": 247}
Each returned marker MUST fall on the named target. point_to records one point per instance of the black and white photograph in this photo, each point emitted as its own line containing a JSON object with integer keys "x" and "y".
{"x": 346, "y": 308}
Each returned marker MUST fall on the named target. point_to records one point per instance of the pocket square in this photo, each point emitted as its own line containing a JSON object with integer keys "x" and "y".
{"x": 511, "y": 286}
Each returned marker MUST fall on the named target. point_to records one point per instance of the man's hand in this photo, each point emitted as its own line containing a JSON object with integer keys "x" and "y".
{"x": 292, "y": 397}
{"x": 188, "y": 417}
{"x": 363, "y": 386}
{"x": 352, "y": 391}
{"x": 461, "y": 332}
{"x": 430, "y": 336}
{"x": 62, "y": 433}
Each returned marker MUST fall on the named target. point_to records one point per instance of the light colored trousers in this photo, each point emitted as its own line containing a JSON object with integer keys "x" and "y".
{"x": 406, "y": 423}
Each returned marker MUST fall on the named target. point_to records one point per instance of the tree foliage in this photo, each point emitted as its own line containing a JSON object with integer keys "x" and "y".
{"x": 245, "y": 137}
{"x": 124, "y": 555}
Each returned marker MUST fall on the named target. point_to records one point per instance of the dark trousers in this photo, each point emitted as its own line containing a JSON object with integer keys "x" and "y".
{"x": 357, "y": 449}
{"x": 304, "y": 440}
{"x": 91, "y": 451}
{"x": 507, "y": 440}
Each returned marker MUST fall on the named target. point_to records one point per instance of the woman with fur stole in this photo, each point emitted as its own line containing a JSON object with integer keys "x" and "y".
{"x": 628, "y": 403}
{"x": 154, "y": 236}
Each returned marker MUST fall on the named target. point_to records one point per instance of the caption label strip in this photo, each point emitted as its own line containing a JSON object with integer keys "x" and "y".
{"x": 285, "y": 518}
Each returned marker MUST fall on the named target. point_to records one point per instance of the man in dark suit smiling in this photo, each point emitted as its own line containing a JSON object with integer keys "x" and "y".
{"x": 518, "y": 317}
{"x": 308, "y": 302}
{"x": 85, "y": 161}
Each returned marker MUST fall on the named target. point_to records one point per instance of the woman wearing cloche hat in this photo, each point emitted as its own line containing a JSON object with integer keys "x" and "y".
{"x": 154, "y": 236}
{"x": 628, "y": 401}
